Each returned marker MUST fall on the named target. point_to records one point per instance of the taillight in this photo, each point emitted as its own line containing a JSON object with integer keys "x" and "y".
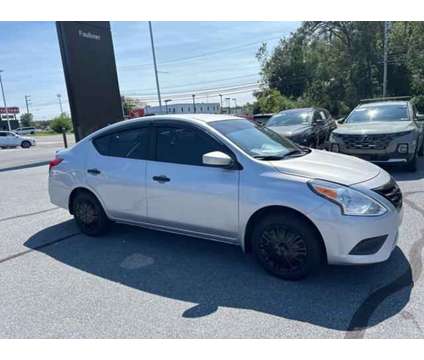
{"x": 54, "y": 163}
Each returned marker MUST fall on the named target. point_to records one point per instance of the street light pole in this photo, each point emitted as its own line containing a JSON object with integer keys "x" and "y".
{"x": 155, "y": 66}
{"x": 59, "y": 97}
{"x": 220, "y": 95}
{"x": 235, "y": 103}
{"x": 229, "y": 104}
{"x": 4, "y": 101}
{"x": 386, "y": 50}
{"x": 166, "y": 104}
{"x": 194, "y": 103}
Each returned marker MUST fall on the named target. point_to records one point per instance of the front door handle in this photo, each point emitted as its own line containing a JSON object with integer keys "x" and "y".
{"x": 161, "y": 179}
{"x": 94, "y": 171}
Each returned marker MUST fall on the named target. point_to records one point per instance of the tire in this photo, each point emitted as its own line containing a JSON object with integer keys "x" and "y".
{"x": 278, "y": 237}
{"x": 411, "y": 165}
{"x": 89, "y": 214}
{"x": 25, "y": 144}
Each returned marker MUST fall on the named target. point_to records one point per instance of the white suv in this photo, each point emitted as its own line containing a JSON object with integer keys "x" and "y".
{"x": 226, "y": 179}
{"x": 11, "y": 139}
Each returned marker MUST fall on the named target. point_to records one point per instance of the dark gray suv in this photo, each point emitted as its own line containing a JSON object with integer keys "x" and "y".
{"x": 382, "y": 131}
{"x": 308, "y": 126}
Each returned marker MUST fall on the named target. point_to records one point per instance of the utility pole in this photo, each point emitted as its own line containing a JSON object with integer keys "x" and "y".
{"x": 235, "y": 103}
{"x": 194, "y": 103}
{"x": 59, "y": 97}
{"x": 386, "y": 50}
{"x": 220, "y": 95}
{"x": 166, "y": 104}
{"x": 4, "y": 102}
{"x": 155, "y": 65}
{"x": 27, "y": 100}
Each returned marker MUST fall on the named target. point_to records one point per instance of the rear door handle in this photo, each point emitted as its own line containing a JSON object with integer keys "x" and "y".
{"x": 161, "y": 179}
{"x": 94, "y": 171}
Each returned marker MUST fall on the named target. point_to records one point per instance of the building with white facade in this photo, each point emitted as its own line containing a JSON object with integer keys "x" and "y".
{"x": 184, "y": 108}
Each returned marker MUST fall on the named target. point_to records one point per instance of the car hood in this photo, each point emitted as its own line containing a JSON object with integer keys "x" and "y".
{"x": 375, "y": 128}
{"x": 320, "y": 164}
{"x": 289, "y": 130}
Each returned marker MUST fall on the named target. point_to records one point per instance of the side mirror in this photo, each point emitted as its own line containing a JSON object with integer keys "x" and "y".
{"x": 341, "y": 120}
{"x": 217, "y": 158}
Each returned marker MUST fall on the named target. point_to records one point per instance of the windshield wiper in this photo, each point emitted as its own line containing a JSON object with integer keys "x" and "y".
{"x": 268, "y": 157}
{"x": 296, "y": 152}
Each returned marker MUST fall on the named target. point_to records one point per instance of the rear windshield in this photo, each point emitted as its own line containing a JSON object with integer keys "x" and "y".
{"x": 290, "y": 117}
{"x": 398, "y": 112}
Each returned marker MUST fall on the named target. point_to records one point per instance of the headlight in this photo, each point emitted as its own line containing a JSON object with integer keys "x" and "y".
{"x": 352, "y": 202}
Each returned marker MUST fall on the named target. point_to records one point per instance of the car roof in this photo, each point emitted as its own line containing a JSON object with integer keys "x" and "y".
{"x": 383, "y": 103}
{"x": 301, "y": 109}
{"x": 189, "y": 118}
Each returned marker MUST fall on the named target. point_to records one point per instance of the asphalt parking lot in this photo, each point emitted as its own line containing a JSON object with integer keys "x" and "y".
{"x": 140, "y": 283}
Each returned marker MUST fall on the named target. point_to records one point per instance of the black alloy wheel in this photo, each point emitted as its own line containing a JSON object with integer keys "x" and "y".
{"x": 89, "y": 215}
{"x": 287, "y": 246}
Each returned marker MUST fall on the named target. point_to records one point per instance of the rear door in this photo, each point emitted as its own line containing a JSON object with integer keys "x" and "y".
{"x": 184, "y": 194}
{"x": 116, "y": 170}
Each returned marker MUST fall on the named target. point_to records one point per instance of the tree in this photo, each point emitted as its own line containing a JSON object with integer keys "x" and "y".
{"x": 26, "y": 120}
{"x": 334, "y": 64}
{"x": 271, "y": 101}
{"x": 61, "y": 124}
{"x": 128, "y": 104}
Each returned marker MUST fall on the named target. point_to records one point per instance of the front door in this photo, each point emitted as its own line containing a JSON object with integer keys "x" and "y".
{"x": 182, "y": 193}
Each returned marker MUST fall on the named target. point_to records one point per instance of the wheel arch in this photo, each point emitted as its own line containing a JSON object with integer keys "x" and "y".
{"x": 78, "y": 190}
{"x": 272, "y": 209}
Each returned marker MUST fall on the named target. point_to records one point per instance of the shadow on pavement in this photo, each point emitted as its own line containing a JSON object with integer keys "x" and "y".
{"x": 212, "y": 275}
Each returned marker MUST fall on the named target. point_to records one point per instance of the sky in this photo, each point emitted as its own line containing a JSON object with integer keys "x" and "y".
{"x": 204, "y": 58}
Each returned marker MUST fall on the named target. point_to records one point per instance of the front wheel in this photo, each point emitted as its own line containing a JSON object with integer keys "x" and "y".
{"x": 89, "y": 214}
{"x": 287, "y": 246}
{"x": 25, "y": 144}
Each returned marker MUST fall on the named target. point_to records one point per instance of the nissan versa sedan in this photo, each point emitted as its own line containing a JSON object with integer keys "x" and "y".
{"x": 226, "y": 179}
{"x": 309, "y": 126}
{"x": 382, "y": 131}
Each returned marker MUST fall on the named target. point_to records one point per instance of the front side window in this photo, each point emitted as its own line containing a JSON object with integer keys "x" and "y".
{"x": 256, "y": 141}
{"x": 291, "y": 117}
{"x": 183, "y": 145}
{"x": 380, "y": 113}
{"x": 132, "y": 144}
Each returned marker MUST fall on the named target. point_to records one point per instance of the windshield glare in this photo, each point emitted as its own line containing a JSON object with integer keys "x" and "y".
{"x": 398, "y": 112}
{"x": 256, "y": 141}
{"x": 290, "y": 117}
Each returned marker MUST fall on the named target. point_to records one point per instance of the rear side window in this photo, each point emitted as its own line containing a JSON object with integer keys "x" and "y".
{"x": 132, "y": 144}
{"x": 183, "y": 145}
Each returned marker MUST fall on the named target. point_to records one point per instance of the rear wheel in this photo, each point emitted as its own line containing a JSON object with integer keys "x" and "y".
{"x": 25, "y": 144}
{"x": 286, "y": 246}
{"x": 89, "y": 214}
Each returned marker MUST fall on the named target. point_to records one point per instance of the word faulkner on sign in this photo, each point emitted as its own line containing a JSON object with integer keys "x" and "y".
{"x": 10, "y": 110}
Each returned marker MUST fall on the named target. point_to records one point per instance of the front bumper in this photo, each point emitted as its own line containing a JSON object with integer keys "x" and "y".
{"x": 342, "y": 233}
{"x": 389, "y": 154}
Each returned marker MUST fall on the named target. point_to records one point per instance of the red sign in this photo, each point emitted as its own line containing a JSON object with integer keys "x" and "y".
{"x": 135, "y": 113}
{"x": 10, "y": 110}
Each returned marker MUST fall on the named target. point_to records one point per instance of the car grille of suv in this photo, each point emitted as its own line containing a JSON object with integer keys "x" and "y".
{"x": 391, "y": 192}
{"x": 376, "y": 141}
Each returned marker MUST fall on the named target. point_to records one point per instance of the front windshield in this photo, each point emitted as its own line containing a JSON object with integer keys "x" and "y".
{"x": 256, "y": 141}
{"x": 290, "y": 117}
{"x": 381, "y": 113}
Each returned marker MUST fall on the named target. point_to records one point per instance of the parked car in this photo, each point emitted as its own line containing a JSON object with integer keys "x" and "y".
{"x": 25, "y": 130}
{"x": 310, "y": 126}
{"x": 11, "y": 139}
{"x": 382, "y": 131}
{"x": 261, "y": 119}
{"x": 223, "y": 178}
